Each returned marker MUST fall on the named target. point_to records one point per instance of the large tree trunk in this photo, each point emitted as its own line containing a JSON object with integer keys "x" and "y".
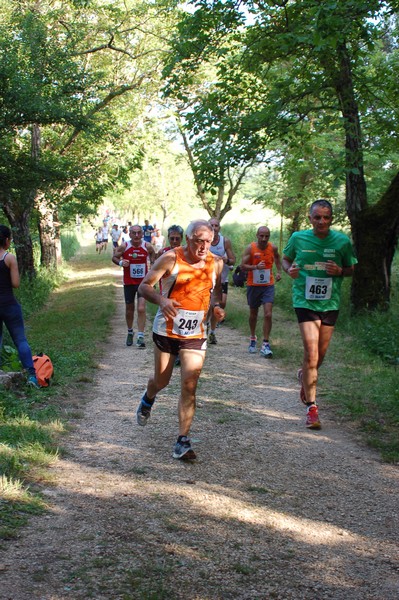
{"x": 376, "y": 231}
{"x": 19, "y": 222}
{"x": 50, "y": 243}
{"x": 374, "y": 228}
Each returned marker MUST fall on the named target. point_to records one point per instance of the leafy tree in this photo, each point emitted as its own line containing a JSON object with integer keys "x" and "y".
{"x": 221, "y": 148}
{"x": 318, "y": 63}
{"x": 160, "y": 187}
{"x": 75, "y": 79}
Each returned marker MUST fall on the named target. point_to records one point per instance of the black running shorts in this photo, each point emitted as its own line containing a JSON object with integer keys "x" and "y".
{"x": 328, "y": 317}
{"x": 174, "y": 345}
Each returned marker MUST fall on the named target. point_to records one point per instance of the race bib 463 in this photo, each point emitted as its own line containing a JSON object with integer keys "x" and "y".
{"x": 318, "y": 288}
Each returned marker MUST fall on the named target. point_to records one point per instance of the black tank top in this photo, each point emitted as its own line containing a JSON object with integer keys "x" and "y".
{"x": 6, "y": 291}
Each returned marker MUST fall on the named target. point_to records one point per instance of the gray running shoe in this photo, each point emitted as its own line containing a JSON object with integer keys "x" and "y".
{"x": 143, "y": 413}
{"x": 266, "y": 351}
{"x": 212, "y": 338}
{"x": 183, "y": 449}
{"x": 140, "y": 342}
{"x": 252, "y": 347}
{"x": 129, "y": 339}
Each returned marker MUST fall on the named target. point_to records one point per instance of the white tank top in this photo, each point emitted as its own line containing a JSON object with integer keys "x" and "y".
{"x": 220, "y": 250}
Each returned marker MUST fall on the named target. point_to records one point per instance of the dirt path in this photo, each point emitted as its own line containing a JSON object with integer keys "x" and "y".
{"x": 269, "y": 510}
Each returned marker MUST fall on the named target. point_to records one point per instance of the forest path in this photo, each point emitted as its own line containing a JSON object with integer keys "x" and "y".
{"x": 269, "y": 510}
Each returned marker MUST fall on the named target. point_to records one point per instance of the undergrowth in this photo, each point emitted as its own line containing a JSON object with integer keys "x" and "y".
{"x": 32, "y": 420}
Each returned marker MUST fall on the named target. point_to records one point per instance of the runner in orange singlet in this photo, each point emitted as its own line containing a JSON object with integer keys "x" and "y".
{"x": 191, "y": 286}
{"x": 258, "y": 260}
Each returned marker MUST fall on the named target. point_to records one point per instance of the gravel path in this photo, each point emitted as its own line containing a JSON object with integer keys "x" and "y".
{"x": 269, "y": 510}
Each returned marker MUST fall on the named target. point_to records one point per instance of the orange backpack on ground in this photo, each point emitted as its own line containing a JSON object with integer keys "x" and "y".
{"x": 44, "y": 369}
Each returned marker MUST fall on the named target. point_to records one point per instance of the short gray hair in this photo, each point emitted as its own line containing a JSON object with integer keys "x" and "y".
{"x": 198, "y": 224}
{"x": 322, "y": 203}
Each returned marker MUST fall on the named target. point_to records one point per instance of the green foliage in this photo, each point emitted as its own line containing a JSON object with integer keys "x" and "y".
{"x": 69, "y": 245}
{"x": 380, "y": 331}
{"x": 160, "y": 188}
{"x": 9, "y": 360}
{"x": 33, "y": 293}
{"x": 240, "y": 236}
{"x": 15, "y": 513}
{"x": 74, "y": 84}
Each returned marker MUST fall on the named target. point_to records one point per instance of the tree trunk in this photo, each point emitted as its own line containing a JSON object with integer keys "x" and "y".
{"x": 19, "y": 222}
{"x": 356, "y": 191}
{"x": 374, "y": 228}
{"x": 57, "y": 238}
{"x": 377, "y": 232}
{"x": 48, "y": 235}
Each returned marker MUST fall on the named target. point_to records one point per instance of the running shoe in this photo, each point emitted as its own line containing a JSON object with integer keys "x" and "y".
{"x": 302, "y": 392}
{"x": 32, "y": 381}
{"x": 143, "y": 412}
{"x": 252, "y": 347}
{"x": 129, "y": 339}
{"x": 312, "y": 417}
{"x": 140, "y": 341}
{"x": 183, "y": 449}
{"x": 212, "y": 338}
{"x": 266, "y": 351}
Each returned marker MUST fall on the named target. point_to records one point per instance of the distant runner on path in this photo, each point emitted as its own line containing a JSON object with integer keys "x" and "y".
{"x": 133, "y": 257}
{"x": 191, "y": 285}
{"x": 258, "y": 260}
{"x": 147, "y": 231}
{"x": 317, "y": 260}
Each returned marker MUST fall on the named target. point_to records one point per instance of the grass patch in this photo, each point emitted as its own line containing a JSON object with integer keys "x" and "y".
{"x": 16, "y": 505}
{"x": 32, "y": 421}
{"x": 243, "y": 569}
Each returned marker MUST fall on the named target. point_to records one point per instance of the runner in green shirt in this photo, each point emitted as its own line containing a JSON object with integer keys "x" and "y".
{"x": 317, "y": 260}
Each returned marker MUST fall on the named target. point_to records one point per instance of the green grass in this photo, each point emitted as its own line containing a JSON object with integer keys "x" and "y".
{"x": 33, "y": 421}
{"x": 17, "y": 504}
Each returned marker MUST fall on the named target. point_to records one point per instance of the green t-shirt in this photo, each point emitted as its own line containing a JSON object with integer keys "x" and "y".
{"x": 314, "y": 289}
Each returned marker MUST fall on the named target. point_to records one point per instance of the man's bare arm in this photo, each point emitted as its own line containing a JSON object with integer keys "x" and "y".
{"x": 162, "y": 266}
{"x": 231, "y": 257}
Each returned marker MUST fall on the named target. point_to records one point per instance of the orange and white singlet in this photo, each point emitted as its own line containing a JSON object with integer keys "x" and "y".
{"x": 192, "y": 288}
{"x": 261, "y": 276}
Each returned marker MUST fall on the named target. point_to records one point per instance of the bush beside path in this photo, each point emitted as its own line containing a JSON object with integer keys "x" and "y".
{"x": 269, "y": 509}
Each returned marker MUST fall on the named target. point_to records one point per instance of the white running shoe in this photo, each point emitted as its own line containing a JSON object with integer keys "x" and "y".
{"x": 266, "y": 351}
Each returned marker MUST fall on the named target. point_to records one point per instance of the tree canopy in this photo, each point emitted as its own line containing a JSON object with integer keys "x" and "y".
{"x": 304, "y": 87}
{"x": 76, "y": 79}
{"x": 297, "y": 69}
